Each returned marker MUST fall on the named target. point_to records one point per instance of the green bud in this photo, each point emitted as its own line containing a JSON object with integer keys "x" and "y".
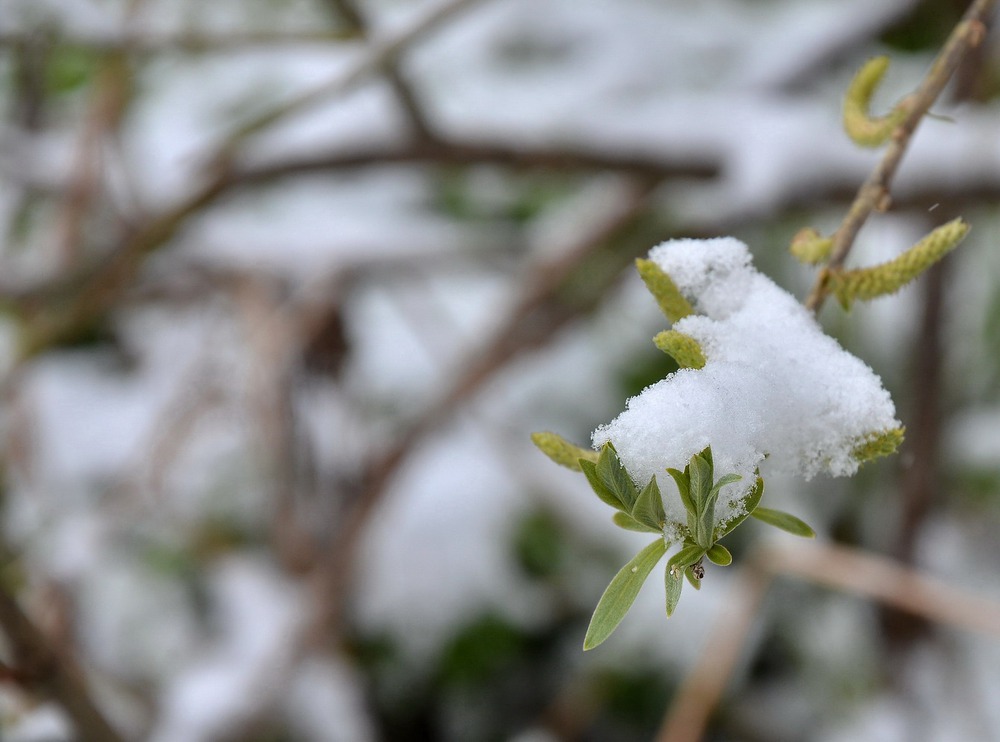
{"x": 810, "y": 247}
{"x": 664, "y": 290}
{"x": 682, "y": 348}
{"x": 878, "y": 444}
{"x": 562, "y": 451}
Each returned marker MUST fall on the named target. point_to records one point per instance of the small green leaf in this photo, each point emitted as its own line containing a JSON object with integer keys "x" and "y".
{"x": 615, "y": 478}
{"x": 700, "y": 476}
{"x": 706, "y": 454}
{"x": 683, "y": 487}
{"x": 750, "y": 503}
{"x": 621, "y": 593}
{"x": 590, "y": 470}
{"x": 784, "y": 521}
{"x": 684, "y": 349}
{"x": 673, "y": 581}
{"x": 626, "y": 521}
{"x": 728, "y": 479}
{"x": 720, "y": 555}
{"x": 648, "y": 506}
{"x": 687, "y": 556}
{"x": 694, "y": 580}
{"x": 664, "y": 290}
{"x": 702, "y": 532}
{"x": 562, "y": 451}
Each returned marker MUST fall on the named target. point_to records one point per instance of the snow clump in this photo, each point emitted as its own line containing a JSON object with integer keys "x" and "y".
{"x": 774, "y": 385}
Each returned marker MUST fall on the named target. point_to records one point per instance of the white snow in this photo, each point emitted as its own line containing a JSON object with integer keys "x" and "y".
{"x": 774, "y": 385}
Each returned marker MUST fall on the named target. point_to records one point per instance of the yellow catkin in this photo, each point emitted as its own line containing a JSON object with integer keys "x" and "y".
{"x": 682, "y": 348}
{"x": 664, "y": 290}
{"x": 562, "y": 451}
{"x": 887, "y": 278}
{"x": 878, "y": 444}
{"x": 864, "y": 129}
{"x": 810, "y": 247}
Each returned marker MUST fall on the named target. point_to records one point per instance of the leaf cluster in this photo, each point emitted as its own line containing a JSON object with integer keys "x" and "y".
{"x": 642, "y": 510}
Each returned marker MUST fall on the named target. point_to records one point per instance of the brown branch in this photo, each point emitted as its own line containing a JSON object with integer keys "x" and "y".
{"x": 351, "y": 13}
{"x": 381, "y": 53}
{"x": 574, "y": 159}
{"x": 39, "y": 668}
{"x": 530, "y": 322}
{"x": 844, "y": 568}
{"x": 874, "y": 193}
{"x": 106, "y": 109}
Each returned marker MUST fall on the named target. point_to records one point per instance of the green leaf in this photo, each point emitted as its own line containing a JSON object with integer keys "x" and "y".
{"x": 720, "y": 555}
{"x": 621, "y": 593}
{"x": 590, "y": 470}
{"x": 702, "y": 533}
{"x": 750, "y": 503}
{"x": 706, "y": 454}
{"x": 664, "y": 290}
{"x": 728, "y": 479}
{"x": 784, "y": 521}
{"x": 694, "y": 581}
{"x": 562, "y": 451}
{"x": 700, "y": 475}
{"x": 626, "y": 521}
{"x": 674, "y": 581}
{"x": 683, "y": 487}
{"x": 648, "y": 506}
{"x": 614, "y": 476}
{"x": 688, "y": 555}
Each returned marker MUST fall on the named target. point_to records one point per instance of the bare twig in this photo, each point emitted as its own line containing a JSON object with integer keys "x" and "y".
{"x": 110, "y": 97}
{"x": 381, "y": 53}
{"x": 528, "y": 324}
{"x": 181, "y": 43}
{"x": 350, "y": 12}
{"x": 852, "y": 570}
{"x": 41, "y": 669}
{"x": 555, "y": 157}
{"x": 874, "y": 193}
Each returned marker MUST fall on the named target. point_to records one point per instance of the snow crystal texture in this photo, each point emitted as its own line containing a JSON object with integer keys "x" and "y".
{"x": 774, "y": 384}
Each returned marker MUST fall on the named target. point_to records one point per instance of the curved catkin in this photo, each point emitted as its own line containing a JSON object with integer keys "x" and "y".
{"x": 864, "y": 129}
{"x": 887, "y": 278}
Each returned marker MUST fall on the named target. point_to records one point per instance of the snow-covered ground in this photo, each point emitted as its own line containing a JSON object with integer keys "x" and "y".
{"x": 141, "y": 481}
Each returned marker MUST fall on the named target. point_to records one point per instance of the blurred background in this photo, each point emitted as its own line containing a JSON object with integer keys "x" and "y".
{"x": 287, "y": 284}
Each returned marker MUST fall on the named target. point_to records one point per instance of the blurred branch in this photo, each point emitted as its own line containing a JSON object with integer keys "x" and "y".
{"x": 106, "y": 109}
{"x": 39, "y": 668}
{"x": 350, "y": 12}
{"x": 535, "y": 317}
{"x": 184, "y": 43}
{"x": 381, "y": 53}
{"x": 852, "y": 570}
{"x": 458, "y": 152}
{"x": 874, "y": 194}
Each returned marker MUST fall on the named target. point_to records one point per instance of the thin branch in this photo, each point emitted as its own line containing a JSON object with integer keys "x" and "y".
{"x": 335, "y": 574}
{"x": 41, "y": 669}
{"x": 351, "y": 13}
{"x": 699, "y": 694}
{"x": 840, "y": 567}
{"x": 182, "y": 43}
{"x": 874, "y": 193}
{"x": 381, "y": 53}
{"x": 567, "y": 158}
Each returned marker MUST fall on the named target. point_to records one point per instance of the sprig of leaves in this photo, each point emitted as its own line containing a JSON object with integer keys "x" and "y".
{"x": 642, "y": 510}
